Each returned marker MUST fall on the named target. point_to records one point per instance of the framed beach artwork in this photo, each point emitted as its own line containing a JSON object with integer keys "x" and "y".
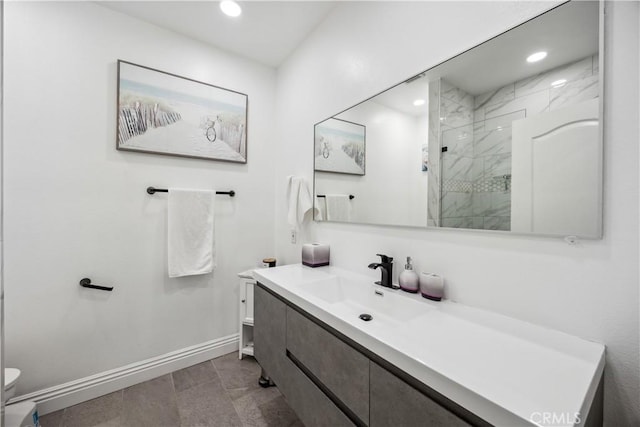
{"x": 163, "y": 113}
{"x": 340, "y": 147}
{"x": 425, "y": 158}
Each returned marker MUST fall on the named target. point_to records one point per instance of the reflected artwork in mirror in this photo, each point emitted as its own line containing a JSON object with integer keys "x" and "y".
{"x": 511, "y": 129}
{"x": 339, "y": 147}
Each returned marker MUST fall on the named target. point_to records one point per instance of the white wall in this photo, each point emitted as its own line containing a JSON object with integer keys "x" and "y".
{"x": 393, "y": 179}
{"x": 589, "y": 290}
{"x": 76, "y": 207}
{"x": 1, "y": 229}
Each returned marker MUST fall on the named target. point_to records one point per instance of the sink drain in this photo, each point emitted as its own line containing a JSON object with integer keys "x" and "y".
{"x": 366, "y": 317}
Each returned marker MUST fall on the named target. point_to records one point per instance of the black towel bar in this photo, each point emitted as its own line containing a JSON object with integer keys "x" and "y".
{"x": 351, "y": 196}
{"x": 152, "y": 190}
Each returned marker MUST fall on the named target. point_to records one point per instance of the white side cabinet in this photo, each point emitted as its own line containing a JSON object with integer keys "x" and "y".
{"x": 246, "y": 312}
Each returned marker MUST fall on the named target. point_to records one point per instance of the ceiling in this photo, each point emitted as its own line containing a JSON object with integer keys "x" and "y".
{"x": 568, "y": 33}
{"x": 267, "y": 31}
{"x": 401, "y": 98}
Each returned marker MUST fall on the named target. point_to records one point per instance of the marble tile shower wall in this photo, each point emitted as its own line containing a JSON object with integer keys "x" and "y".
{"x": 433, "y": 144}
{"x": 456, "y": 129}
{"x": 493, "y": 114}
{"x": 476, "y": 173}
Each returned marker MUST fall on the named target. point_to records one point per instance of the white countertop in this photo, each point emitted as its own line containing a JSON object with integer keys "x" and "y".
{"x": 247, "y": 274}
{"x": 506, "y": 371}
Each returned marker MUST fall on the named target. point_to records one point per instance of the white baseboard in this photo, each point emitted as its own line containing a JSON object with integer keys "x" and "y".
{"x": 68, "y": 394}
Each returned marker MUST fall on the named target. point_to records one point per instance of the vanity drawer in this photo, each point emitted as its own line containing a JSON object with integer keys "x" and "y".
{"x": 310, "y": 403}
{"x": 342, "y": 370}
{"x": 396, "y": 403}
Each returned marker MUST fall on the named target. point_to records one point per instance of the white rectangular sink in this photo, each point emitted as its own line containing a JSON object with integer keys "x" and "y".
{"x": 504, "y": 370}
{"x": 352, "y": 298}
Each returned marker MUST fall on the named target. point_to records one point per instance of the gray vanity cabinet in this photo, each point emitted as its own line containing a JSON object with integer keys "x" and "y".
{"x": 396, "y": 403}
{"x": 329, "y": 380}
{"x": 336, "y": 365}
{"x": 270, "y": 323}
{"x": 311, "y": 404}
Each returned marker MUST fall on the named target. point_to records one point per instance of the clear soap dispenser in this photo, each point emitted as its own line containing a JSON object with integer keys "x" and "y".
{"x": 409, "y": 280}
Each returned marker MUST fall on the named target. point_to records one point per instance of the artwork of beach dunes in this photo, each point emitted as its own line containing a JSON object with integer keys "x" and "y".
{"x": 340, "y": 147}
{"x": 163, "y": 113}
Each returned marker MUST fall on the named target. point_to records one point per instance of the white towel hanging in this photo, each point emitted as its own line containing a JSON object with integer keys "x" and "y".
{"x": 190, "y": 232}
{"x": 299, "y": 200}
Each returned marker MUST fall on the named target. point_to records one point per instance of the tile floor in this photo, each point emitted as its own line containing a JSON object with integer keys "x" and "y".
{"x": 219, "y": 392}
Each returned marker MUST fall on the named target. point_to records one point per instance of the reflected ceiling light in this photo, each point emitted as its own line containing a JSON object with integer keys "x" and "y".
{"x": 419, "y": 102}
{"x": 559, "y": 83}
{"x": 230, "y": 8}
{"x": 538, "y": 56}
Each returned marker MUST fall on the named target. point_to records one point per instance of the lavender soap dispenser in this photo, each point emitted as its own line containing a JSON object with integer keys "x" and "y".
{"x": 409, "y": 280}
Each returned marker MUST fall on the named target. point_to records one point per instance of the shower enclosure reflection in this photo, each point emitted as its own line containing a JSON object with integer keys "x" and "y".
{"x": 484, "y": 159}
{"x": 493, "y": 139}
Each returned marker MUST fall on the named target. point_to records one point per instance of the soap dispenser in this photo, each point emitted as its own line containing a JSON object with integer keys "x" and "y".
{"x": 409, "y": 280}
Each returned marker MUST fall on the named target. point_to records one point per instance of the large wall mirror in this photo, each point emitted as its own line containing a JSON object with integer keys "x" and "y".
{"x": 505, "y": 136}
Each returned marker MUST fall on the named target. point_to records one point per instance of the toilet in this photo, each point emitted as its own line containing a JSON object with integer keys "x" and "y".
{"x": 11, "y": 376}
{"x": 22, "y": 414}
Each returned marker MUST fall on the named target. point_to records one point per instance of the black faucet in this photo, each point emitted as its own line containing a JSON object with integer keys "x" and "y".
{"x": 386, "y": 267}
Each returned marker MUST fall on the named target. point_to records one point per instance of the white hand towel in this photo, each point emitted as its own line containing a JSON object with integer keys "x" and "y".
{"x": 338, "y": 207}
{"x": 191, "y": 233}
{"x": 321, "y": 209}
{"x": 299, "y": 200}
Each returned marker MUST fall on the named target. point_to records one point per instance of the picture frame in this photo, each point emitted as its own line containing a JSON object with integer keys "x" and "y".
{"x": 163, "y": 113}
{"x": 340, "y": 147}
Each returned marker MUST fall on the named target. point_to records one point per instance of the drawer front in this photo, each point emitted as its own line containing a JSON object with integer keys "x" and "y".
{"x": 340, "y": 368}
{"x": 396, "y": 403}
{"x": 310, "y": 404}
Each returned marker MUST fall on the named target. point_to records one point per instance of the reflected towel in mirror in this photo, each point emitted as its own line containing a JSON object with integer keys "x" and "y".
{"x": 338, "y": 207}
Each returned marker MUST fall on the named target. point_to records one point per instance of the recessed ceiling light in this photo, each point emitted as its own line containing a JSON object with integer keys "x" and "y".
{"x": 559, "y": 83}
{"x": 419, "y": 102}
{"x": 230, "y": 8}
{"x": 538, "y": 56}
